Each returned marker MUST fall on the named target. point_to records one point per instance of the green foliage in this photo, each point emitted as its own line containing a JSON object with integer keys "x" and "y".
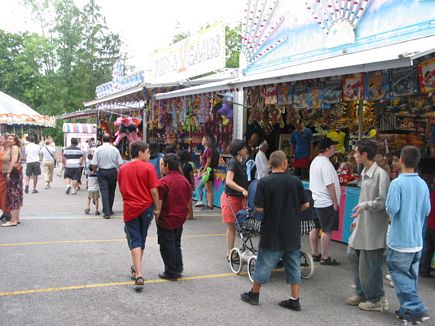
{"x": 233, "y": 42}
{"x": 57, "y": 71}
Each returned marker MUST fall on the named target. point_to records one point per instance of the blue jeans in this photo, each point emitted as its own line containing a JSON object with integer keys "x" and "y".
{"x": 367, "y": 271}
{"x": 136, "y": 230}
{"x": 403, "y": 268}
{"x": 268, "y": 259}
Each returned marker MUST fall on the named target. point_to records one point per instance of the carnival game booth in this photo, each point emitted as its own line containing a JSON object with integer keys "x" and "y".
{"x": 18, "y": 118}
{"x": 186, "y": 116}
{"x": 347, "y": 72}
{"x": 83, "y": 132}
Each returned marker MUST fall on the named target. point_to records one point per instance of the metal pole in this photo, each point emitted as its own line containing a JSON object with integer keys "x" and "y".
{"x": 144, "y": 121}
{"x": 360, "y": 118}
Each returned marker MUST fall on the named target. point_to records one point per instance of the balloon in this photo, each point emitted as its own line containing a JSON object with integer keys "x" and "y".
{"x": 226, "y": 110}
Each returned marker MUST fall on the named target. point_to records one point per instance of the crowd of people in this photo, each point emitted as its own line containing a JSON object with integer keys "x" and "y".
{"x": 388, "y": 219}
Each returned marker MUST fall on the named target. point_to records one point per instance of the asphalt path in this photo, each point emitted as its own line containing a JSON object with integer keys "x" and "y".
{"x": 63, "y": 267}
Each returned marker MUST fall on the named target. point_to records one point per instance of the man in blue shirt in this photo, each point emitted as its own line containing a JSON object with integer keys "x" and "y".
{"x": 301, "y": 140}
{"x": 408, "y": 204}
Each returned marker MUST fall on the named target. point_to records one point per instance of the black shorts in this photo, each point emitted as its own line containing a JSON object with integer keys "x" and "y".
{"x": 328, "y": 218}
{"x": 73, "y": 174}
{"x": 33, "y": 169}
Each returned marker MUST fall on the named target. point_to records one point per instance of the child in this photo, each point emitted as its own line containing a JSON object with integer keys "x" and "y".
{"x": 408, "y": 204}
{"x": 93, "y": 188}
{"x": 174, "y": 197}
{"x": 188, "y": 174}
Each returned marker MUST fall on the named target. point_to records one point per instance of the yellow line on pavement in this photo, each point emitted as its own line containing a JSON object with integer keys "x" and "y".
{"x": 95, "y": 241}
{"x": 100, "y": 285}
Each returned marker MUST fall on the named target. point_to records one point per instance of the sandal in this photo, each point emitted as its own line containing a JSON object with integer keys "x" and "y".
{"x": 329, "y": 261}
{"x": 317, "y": 258}
{"x": 35, "y": 191}
{"x": 132, "y": 272}
{"x": 8, "y": 224}
{"x": 139, "y": 283}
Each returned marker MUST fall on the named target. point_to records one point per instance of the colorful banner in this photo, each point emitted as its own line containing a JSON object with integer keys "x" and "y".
{"x": 426, "y": 75}
{"x": 377, "y": 85}
{"x": 332, "y": 91}
{"x": 353, "y": 87}
{"x": 300, "y": 97}
{"x": 26, "y": 119}
{"x": 284, "y": 94}
{"x": 190, "y": 57}
{"x": 403, "y": 81}
{"x": 270, "y": 95}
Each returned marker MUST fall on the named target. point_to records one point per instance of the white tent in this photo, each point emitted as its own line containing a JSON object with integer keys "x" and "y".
{"x": 14, "y": 112}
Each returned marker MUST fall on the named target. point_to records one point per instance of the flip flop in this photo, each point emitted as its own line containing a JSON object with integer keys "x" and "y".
{"x": 139, "y": 283}
{"x": 8, "y": 224}
{"x": 132, "y": 272}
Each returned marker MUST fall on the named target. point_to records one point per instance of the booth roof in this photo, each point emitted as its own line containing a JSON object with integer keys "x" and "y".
{"x": 387, "y": 57}
{"x": 9, "y": 105}
{"x": 14, "y": 112}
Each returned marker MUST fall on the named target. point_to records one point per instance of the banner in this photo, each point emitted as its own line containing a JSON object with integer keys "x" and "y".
{"x": 190, "y": 57}
{"x": 353, "y": 87}
{"x": 377, "y": 85}
{"x": 426, "y": 75}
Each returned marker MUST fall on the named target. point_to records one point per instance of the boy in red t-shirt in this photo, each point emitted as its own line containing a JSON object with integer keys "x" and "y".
{"x": 175, "y": 193}
{"x": 138, "y": 185}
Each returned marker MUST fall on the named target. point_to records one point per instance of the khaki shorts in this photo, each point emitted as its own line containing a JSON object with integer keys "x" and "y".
{"x": 93, "y": 195}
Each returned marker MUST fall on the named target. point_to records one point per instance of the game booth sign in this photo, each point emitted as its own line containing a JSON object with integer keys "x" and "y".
{"x": 348, "y": 70}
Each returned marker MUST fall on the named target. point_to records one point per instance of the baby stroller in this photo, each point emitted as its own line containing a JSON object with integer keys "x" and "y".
{"x": 248, "y": 224}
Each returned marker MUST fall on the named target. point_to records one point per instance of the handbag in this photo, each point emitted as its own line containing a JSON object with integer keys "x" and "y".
{"x": 49, "y": 152}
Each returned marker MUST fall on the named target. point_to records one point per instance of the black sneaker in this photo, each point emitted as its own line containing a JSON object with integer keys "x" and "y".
{"x": 250, "y": 297}
{"x": 399, "y": 315}
{"x": 291, "y": 304}
{"x": 317, "y": 258}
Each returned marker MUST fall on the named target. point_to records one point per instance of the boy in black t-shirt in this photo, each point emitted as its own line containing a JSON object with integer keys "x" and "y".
{"x": 281, "y": 197}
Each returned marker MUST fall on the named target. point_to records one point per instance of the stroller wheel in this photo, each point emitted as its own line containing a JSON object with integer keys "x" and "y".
{"x": 236, "y": 262}
{"x": 307, "y": 265}
{"x": 251, "y": 267}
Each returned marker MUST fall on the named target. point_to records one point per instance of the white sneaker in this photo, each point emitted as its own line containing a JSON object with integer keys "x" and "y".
{"x": 390, "y": 280}
{"x": 73, "y": 192}
{"x": 68, "y": 189}
{"x": 199, "y": 204}
{"x": 381, "y": 305}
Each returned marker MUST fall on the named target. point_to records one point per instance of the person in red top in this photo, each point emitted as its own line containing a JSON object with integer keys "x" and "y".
{"x": 429, "y": 241}
{"x": 174, "y": 193}
{"x": 138, "y": 185}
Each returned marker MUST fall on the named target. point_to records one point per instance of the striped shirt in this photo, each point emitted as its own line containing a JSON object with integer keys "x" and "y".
{"x": 73, "y": 156}
{"x": 107, "y": 157}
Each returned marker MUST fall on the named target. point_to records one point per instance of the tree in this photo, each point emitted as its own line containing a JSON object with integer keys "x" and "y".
{"x": 233, "y": 42}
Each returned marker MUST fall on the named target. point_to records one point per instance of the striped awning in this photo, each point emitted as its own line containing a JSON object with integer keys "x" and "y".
{"x": 80, "y": 128}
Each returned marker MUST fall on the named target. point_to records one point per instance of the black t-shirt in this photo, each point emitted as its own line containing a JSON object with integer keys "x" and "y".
{"x": 281, "y": 196}
{"x": 240, "y": 177}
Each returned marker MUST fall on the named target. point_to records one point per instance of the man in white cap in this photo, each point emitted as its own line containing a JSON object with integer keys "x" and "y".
{"x": 261, "y": 162}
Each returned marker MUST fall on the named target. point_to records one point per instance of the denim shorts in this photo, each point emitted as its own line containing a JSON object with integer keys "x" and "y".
{"x": 137, "y": 230}
{"x": 268, "y": 259}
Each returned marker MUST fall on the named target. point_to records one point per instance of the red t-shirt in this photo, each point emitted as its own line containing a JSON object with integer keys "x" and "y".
{"x": 175, "y": 192}
{"x": 431, "y": 218}
{"x": 208, "y": 153}
{"x": 136, "y": 179}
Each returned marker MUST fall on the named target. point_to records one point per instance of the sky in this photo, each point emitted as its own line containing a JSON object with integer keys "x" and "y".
{"x": 143, "y": 25}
